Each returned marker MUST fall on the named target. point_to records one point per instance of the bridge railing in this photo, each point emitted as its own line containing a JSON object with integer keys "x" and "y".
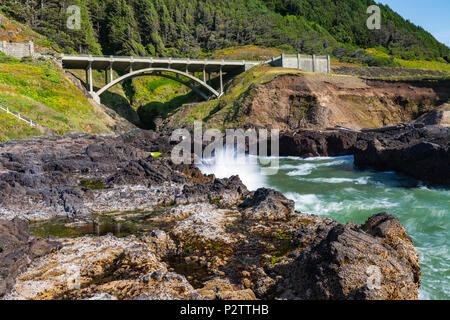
{"x": 8, "y": 110}
{"x": 160, "y": 58}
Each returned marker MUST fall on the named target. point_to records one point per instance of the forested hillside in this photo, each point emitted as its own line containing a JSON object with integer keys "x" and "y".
{"x": 197, "y": 27}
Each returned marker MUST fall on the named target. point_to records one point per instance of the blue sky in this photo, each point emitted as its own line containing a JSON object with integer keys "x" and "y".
{"x": 433, "y": 15}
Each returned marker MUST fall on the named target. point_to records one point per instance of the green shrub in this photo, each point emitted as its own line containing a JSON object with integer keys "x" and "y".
{"x": 27, "y": 59}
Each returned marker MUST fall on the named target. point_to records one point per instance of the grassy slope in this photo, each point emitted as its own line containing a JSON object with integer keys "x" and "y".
{"x": 14, "y": 31}
{"x": 157, "y": 96}
{"x": 42, "y": 93}
{"x": 414, "y": 64}
{"x": 115, "y": 98}
{"x": 13, "y": 128}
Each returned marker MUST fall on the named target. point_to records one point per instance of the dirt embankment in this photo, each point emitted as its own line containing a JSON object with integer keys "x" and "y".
{"x": 383, "y": 72}
{"x": 313, "y": 101}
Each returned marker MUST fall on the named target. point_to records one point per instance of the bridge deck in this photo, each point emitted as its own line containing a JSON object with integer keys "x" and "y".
{"x": 137, "y": 63}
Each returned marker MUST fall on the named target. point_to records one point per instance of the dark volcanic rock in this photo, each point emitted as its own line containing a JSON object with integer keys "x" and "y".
{"x": 17, "y": 250}
{"x": 73, "y": 175}
{"x": 267, "y": 204}
{"x": 226, "y": 191}
{"x": 423, "y": 153}
{"x": 230, "y": 243}
{"x": 373, "y": 261}
{"x": 147, "y": 171}
{"x": 306, "y": 143}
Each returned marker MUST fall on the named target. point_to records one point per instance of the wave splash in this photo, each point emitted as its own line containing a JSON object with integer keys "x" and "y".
{"x": 228, "y": 162}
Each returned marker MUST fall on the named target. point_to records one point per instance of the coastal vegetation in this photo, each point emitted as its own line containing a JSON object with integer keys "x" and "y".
{"x": 198, "y": 27}
{"x": 237, "y": 29}
{"x": 41, "y": 92}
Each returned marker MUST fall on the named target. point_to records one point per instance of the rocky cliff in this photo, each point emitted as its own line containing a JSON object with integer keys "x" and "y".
{"x": 289, "y": 100}
{"x": 422, "y": 152}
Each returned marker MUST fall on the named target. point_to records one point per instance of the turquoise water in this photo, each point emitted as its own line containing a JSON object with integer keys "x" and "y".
{"x": 332, "y": 187}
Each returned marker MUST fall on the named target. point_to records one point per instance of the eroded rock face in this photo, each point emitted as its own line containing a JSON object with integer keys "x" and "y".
{"x": 438, "y": 117}
{"x": 88, "y": 267}
{"x": 317, "y": 101}
{"x": 267, "y": 204}
{"x": 373, "y": 261}
{"x": 305, "y": 143}
{"x": 17, "y": 250}
{"x": 74, "y": 175}
{"x": 423, "y": 153}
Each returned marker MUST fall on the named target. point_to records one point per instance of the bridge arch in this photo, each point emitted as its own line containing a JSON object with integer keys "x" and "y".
{"x": 151, "y": 71}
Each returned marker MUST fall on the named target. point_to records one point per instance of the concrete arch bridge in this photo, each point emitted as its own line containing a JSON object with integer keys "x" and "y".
{"x": 182, "y": 70}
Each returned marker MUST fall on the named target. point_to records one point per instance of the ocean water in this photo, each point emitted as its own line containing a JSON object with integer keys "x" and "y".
{"x": 334, "y": 188}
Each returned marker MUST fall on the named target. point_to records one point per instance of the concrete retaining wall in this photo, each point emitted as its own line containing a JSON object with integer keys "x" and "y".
{"x": 18, "y": 49}
{"x": 303, "y": 62}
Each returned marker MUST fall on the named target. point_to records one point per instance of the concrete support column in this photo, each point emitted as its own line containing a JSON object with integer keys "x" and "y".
{"x": 31, "y": 48}
{"x": 131, "y": 63}
{"x": 282, "y": 60}
{"x": 111, "y": 72}
{"x": 298, "y": 61}
{"x": 87, "y": 78}
{"x": 328, "y": 64}
{"x": 204, "y": 73}
{"x": 91, "y": 85}
{"x": 221, "y": 80}
{"x": 187, "y": 66}
{"x": 313, "y": 63}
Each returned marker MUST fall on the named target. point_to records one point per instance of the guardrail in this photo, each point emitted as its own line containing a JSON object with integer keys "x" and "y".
{"x": 8, "y": 110}
{"x": 68, "y": 56}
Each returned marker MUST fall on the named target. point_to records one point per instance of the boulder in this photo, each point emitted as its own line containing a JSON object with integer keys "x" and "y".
{"x": 17, "y": 250}
{"x": 267, "y": 204}
{"x": 423, "y": 153}
{"x": 437, "y": 117}
{"x": 374, "y": 261}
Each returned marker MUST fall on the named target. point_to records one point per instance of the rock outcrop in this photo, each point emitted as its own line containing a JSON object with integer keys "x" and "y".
{"x": 423, "y": 153}
{"x": 420, "y": 151}
{"x": 267, "y": 204}
{"x": 299, "y": 100}
{"x": 374, "y": 261}
{"x": 72, "y": 176}
{"x": 180, "y": 234}
{"x": 17, "y": 250}
{"x": 308, "y": 143}
{"x": 437, "y": 117}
